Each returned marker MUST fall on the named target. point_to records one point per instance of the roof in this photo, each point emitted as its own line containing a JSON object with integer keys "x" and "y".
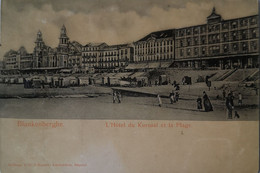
{"x": 76, "y": 44}
{"x": 22, "y": 50}
{"x": 149, "y": 65}
{"x": 10, "y": 52}
{"x": 158, "y": 35}
{"x": 213, "y": 15}
{"x": 95, "y": 44}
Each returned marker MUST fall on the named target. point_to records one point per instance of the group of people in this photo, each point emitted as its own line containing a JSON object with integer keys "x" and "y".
{"x": 116, "y": 97}
{"x": 203, "y": 101}
{"x": 174, "y": 97}
{"x": 206, "y": 103}
{"x": 230, "y": 104}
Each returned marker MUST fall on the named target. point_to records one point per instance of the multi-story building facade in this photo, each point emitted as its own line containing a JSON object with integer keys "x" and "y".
{"x": 11, "y": 61}
{"x": 75, "y": 55}
{"x": 90, "y": 54}
{"x": 26, "y": 59}
{"x": 17, "y": 60}
{"x": 102, "y": 56}
{"x": 115, "y": 56}
{"x": 63, "y": 48}
{"x": 126, "y": 54}
{"x": 41, "y": 52}
{"x": 157, "y": 46}
{"x": 218, "y": 43}
{"x": 68, "y": 53}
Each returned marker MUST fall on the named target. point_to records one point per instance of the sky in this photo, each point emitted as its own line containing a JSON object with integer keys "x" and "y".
{"x": 110, "y": 21}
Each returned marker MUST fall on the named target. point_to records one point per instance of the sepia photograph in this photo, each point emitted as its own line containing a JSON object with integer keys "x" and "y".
{"x": 67, "y": 63}
{"x": 181, "y": 75}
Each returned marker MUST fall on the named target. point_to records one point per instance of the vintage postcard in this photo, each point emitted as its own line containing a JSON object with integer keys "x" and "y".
{"x": 129, "y": 86}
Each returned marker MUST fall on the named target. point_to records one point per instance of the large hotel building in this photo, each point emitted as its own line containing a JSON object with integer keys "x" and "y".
{"x": 218, "y": 43}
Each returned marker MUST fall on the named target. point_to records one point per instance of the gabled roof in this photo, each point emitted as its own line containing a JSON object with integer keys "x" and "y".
{"x": 11, "y": 51}
{"x": 158, "y": 35}
{"x": 95, "y": 44}
{"x": 76, "y": 44}
{"x": 213, "y": 14}
{"x": 22, "y": 50}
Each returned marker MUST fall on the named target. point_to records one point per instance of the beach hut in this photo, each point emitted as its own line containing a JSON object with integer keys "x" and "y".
{"x": 48, "y": 80}
{"x": 113, "y": 81}
{"x": 20, "y": 80}
{"x": 55, "y": 81}
{"x": 73, "y": 81}
{"x": 104, "y": 80}
{"x": 186, "y": 80}
{"x": 83, "y": 81}
{"x": 12, "y": 80}
{"x": 142, "y": 81}
{"x": 163, "y": 80}
{"x": 36, "y": 83}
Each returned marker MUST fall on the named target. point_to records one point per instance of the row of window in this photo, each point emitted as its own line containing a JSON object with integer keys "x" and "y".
{"x": 226, "y": 48}
{"x": 106, "y": 59}
{"x": 212, "y": 28}
{"x": 12, "y": 67}
{"x": 154, "y": 50}
{"x": 154, "y": 57}
{"x": 153, "y": 44}
{"x": 104, "y": 65}
{"x": 215, "y": 38}
{"x": 90, "y": 48}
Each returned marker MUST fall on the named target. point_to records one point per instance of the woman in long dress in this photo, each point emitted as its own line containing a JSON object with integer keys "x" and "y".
{"x": 114, "y": 96}
{"x": 206, "y": 102}
{"x": 199, "y": 103}
{"x": 172, "y": 97}
{"x": 159, "y": 100}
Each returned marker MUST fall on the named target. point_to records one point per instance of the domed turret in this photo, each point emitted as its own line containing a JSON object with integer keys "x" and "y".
{"x": 64, "y": 39}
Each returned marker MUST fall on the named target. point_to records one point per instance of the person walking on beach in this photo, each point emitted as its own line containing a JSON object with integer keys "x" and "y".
{"x": 159, "y": 100}
{"x": 232, "y": 98}
{"x": 239, "y": 99}
{"x": 236, "y": 115}
{"x": 119, "y": 97}
{"x": 172, "y": 97}
{"x": 206, "y": 102}
{"x": 224, "y": 94}
{"x": 114, "y": 96}
{"x": 199, "y": 103}
{"x": 229, "y": 105}
{"x": 177, "y": 96}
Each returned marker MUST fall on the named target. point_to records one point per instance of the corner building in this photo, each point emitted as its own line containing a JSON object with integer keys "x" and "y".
{"x": 156, "y": 46}
{"x": 222, "y": 44}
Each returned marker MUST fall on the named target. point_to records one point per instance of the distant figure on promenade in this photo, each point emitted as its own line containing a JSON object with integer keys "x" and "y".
{"x": 229, "y": 105}
{"x": 177, "y": 86}
{"x": 239, "y": 99}
{"x": 114, "y": 96}
{"x": 209, "y": 84}
{"x": 199, "y": 103}
{"x": 256, "y": 90}
{"x": 159, "y": 100}
{"x": 172, "y": 97}
{"x": 224, "y": 94}
{"x": 232, "y": 98}
{"x": 206, "y": 102}
{"x": 119, "y": 97}
{"x": 176, "y": 96}
{"x": 236, "y": 115}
